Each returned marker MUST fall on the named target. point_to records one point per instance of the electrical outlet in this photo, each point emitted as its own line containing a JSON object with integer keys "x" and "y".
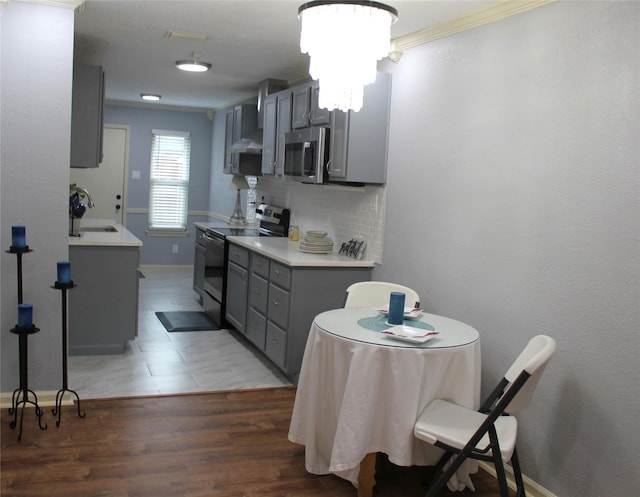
{"x": 174, "y": 248}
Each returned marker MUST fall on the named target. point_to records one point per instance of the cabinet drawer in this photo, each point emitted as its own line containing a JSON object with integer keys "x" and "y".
{"x": 278, "y": 309}
{"x": 280, "y": 275}
{"x": 276, "y": 345}
{"x": 258, "y": 288}
{"x": 239, "y": 255}
{"x": 260, "y": 265}
{"x": 256, "y": 328}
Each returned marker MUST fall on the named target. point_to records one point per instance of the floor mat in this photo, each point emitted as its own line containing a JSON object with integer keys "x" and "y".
{"x": 186, "y": 321}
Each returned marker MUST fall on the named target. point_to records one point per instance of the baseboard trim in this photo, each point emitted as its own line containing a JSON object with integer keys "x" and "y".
{"x": 532, "y": 488}
{"x": 46, "y": 398}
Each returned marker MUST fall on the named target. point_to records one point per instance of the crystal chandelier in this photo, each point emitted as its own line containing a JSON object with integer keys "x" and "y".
{"x": 344, "y": 40}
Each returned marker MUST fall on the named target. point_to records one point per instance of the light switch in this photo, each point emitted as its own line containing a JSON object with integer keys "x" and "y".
{"x": 135, "y": 174}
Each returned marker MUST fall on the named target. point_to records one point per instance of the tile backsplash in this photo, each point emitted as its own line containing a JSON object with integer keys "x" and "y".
{"x": 344, "y": 212}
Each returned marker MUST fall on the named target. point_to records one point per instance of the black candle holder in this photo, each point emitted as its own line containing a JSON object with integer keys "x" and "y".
{"x": 20, "y": 395}
{"x": 57, "y": 410}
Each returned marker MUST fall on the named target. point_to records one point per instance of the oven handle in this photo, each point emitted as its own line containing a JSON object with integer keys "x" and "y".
{"x": 217, "y": 241}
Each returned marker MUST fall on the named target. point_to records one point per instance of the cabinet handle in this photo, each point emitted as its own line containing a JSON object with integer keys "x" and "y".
{"x": 274, "y": 340}
{"x": 277, "y": 271}
{"x": 257, "y": 291}
{"x": 275, "y": 302}
{"x": 259, "y": 264}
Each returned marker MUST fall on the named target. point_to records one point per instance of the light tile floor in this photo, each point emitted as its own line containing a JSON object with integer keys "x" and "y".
{"x": 158, "y": 362}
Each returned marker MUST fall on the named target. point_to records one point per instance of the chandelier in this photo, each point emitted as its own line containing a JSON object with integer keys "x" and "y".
{"x": 344, "y": 40}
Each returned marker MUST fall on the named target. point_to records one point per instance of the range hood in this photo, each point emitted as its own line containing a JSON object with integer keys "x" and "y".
{"x": 248, "y": 145}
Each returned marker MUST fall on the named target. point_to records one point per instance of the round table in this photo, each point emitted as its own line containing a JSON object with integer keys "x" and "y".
{"x": 360, "y": 391}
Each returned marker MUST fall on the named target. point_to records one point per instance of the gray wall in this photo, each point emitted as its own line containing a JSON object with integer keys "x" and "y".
{"x": 158, "y": 250}
{"x": 513, "y": 205}
{"x": 34, "y": 178}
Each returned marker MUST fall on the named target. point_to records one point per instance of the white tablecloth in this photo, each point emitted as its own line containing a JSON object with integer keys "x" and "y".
{"x": 363, "y": 393}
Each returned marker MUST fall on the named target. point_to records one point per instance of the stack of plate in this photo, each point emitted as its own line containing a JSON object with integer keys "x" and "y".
{"x": 316, "y": 242}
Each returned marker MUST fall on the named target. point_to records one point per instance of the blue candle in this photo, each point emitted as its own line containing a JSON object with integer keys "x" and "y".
{"x": 25, "y": 315}
{"x": 18, "y": 237}
{"x": 396, "y": 308}
{"x": 64, "y": 272}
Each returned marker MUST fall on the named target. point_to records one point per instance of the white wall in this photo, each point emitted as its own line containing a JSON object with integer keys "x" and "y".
{"x": 35, "y": 103}
{"x": 513, "y": 205}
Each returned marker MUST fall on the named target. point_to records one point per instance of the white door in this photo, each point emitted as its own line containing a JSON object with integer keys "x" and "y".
{"x": 107, "y": 183}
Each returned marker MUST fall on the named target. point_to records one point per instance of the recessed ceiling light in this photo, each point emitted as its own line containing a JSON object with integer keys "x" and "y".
{"x": 150, "y": 96}
{"x": 193, "y": 65}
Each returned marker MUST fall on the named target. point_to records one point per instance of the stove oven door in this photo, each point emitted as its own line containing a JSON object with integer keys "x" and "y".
{"x": 213, "y": 277}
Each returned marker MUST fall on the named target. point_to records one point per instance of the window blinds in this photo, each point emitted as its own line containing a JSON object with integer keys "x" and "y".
{"x": 169, "y": 180}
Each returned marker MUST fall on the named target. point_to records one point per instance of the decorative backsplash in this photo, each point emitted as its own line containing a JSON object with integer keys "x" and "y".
{"x": 344, "y": 212}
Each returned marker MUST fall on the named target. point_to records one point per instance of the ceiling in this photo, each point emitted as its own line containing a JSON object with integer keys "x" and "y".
{"x": 246, "y": 42}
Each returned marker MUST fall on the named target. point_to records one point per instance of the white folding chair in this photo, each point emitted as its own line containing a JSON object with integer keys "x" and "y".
{"x": 488, "y": 434}
{"x": 376, "y": 294}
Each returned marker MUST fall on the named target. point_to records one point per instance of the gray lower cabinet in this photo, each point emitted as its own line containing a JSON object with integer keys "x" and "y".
{"x": 103, "y": 307}
{"x": 281, "y": 301}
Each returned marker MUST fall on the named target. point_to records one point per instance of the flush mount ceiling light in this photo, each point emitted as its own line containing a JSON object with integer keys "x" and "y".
{"x": 344, "y": 40}
{"x": 152, "y": 97}
{"x": 193, "y": 65}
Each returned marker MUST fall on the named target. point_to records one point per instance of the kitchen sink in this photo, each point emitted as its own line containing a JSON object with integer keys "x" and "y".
{"x": 98, "y": 229}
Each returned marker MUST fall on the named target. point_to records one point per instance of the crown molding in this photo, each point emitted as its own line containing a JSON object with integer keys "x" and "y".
{"x": 485, "y": 15}
{"x": 68, "y": 4}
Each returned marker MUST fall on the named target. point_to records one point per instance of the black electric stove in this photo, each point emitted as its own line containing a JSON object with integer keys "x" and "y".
{"x": 274, "y": 221}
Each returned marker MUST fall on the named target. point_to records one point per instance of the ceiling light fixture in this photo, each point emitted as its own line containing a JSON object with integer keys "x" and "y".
{"x": 345, "y": 40}
{"x": 193, "y": 65}
{"x": 153, "y": 97}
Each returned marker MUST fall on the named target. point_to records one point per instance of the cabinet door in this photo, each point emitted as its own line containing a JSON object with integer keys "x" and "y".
{"x": 301, "y": 100}
{"x": 317, "y": 115}
{"x": 283, "y": 127}
{"x": 269, "y": 135}
{"x": 237, "y": 286}
{"x": 278, "y": 307}
{"x": 338, "y": 148}
{"x": 276, "y": 345}
{"x": 256, "y": 328}
{"x": 258, "y": 292}
{"x": 228, "y": 141}
{"x": 87, "y": 120}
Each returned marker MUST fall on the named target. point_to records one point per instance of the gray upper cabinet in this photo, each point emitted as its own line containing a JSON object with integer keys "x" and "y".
{"x": 359, "y": 140}
{"x": 277, "y": 122}
{"x": 241, "y": 129}
{"x": 305, "y": 109}
{"x": 87, "y": 120}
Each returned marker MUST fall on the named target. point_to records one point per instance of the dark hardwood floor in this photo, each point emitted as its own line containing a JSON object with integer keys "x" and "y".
{"x": 227, "y": 444}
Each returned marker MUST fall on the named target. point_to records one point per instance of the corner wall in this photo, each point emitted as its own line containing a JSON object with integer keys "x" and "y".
{"x": 514, "y": 176}
{"x": 35, "y": 104}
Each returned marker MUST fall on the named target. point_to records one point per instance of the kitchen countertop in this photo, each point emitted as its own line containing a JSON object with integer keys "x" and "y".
{"x": 120, "y": 238}
{"x": 286, "y": 252}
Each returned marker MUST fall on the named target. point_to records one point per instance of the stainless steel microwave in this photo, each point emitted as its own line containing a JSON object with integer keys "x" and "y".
{"x": 306, "y": 154}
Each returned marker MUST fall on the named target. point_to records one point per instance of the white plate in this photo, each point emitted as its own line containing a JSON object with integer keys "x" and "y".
{"x": 410, "y": 334}
{"x": 409, "y": 312}
{"x": 316, "y": 234}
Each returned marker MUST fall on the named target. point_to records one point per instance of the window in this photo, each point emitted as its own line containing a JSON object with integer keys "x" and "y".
{"x": 169, "y": 180}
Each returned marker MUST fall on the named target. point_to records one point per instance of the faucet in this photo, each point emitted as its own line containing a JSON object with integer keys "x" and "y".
{"x": 90, "y": 203}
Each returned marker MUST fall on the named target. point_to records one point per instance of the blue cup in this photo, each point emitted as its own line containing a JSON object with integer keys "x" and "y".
{"x": 396, "y": 308}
